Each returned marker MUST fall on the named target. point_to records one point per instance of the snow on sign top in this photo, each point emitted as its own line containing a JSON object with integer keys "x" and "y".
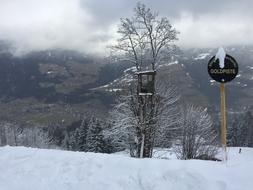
{"x": 221, "y": 54}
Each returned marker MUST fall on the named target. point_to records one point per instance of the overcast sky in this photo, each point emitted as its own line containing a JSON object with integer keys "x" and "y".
{"x": 90, "y": 25}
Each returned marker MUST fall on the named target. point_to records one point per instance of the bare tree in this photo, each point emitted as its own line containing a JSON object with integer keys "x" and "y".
{"x": 145, "y": 38}
{"x": 198, "y": 137}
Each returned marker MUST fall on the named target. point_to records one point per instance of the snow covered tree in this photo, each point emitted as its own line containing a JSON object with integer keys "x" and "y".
{"x": 94, "y": 138}
{"x": 126, "y": 129}
{"x": 80, "y": 135}
{"x": 55, "y": 134}
{"x": 17, "y": 135}
{"x": 233, "y": 131}
{"x": 145, "y": 38}
{"x": 248, "y": 119}
{"x": 168, "y": 116}
{"x": 198, "y": 137}
{"x": 125, "y": 126}
{"x": 241, "y": 131}
{"x": 66, "y": 141}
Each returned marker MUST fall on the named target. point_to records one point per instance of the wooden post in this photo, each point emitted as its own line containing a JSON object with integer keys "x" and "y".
{"x": 223, "y": 121}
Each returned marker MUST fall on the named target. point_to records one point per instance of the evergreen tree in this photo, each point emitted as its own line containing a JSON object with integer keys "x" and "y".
{"x": 241, "y": 132}
{"x": 66, "y": 141}
{"x": 94, "y": 138}
{"x": 73, "y": 140}
{"x": 233, "y": 133}
{"x": 248, "y": 122}
{"x": 80, "y": 136}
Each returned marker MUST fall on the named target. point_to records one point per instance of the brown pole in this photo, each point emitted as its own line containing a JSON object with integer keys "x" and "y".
{"x": 223, "y": 121}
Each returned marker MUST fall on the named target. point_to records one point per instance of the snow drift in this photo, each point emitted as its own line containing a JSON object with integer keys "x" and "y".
{"x": 29, "y": 168}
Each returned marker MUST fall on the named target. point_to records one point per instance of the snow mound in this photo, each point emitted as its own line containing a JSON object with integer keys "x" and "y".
{"x": 29, "y": 169}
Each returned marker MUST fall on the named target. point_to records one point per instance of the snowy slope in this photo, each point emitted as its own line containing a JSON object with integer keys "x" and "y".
{"x": 29, "y": 169}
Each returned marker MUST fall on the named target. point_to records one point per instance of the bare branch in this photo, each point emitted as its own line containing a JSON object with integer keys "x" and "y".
{"x": 144, "y": 36}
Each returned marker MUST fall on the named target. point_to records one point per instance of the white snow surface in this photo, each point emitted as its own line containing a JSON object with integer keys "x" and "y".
{"x": 133, "y": 69}
{"x": 114, "y": 89}
{"x": 221, "y": 54}
{"x": 29, "y": 168}
{"x": 202, "y": 56}
{"x": 168, "y": 64}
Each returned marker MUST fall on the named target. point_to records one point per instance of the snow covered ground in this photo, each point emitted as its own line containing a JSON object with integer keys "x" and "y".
{"x": 39, "y": 169}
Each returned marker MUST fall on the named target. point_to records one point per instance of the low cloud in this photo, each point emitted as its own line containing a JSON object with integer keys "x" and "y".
{"x": 214, "y": 31}
{"x": 90, "y": 25}
{"x": 38, "y": 25}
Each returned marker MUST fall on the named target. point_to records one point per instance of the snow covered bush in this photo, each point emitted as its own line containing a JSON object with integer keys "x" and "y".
{"x": 198, "y": 139}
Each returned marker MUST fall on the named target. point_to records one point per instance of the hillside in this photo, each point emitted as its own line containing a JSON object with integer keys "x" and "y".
{"x": 58, "y": 87}
{"x": 27, "y": 168}
{"x": 50, "y": 86}
{"x": 188, "y": 72}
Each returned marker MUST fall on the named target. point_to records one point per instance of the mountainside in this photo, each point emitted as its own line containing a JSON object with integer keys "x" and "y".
{"x": 27, "y": 168}
{"x": 52, "y": 86}
{"x": 60, "y": 86}
{"x": 188, "y": 72}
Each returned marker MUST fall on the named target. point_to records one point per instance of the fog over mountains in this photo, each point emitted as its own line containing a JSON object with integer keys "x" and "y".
{"x": 64, "y": 84}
